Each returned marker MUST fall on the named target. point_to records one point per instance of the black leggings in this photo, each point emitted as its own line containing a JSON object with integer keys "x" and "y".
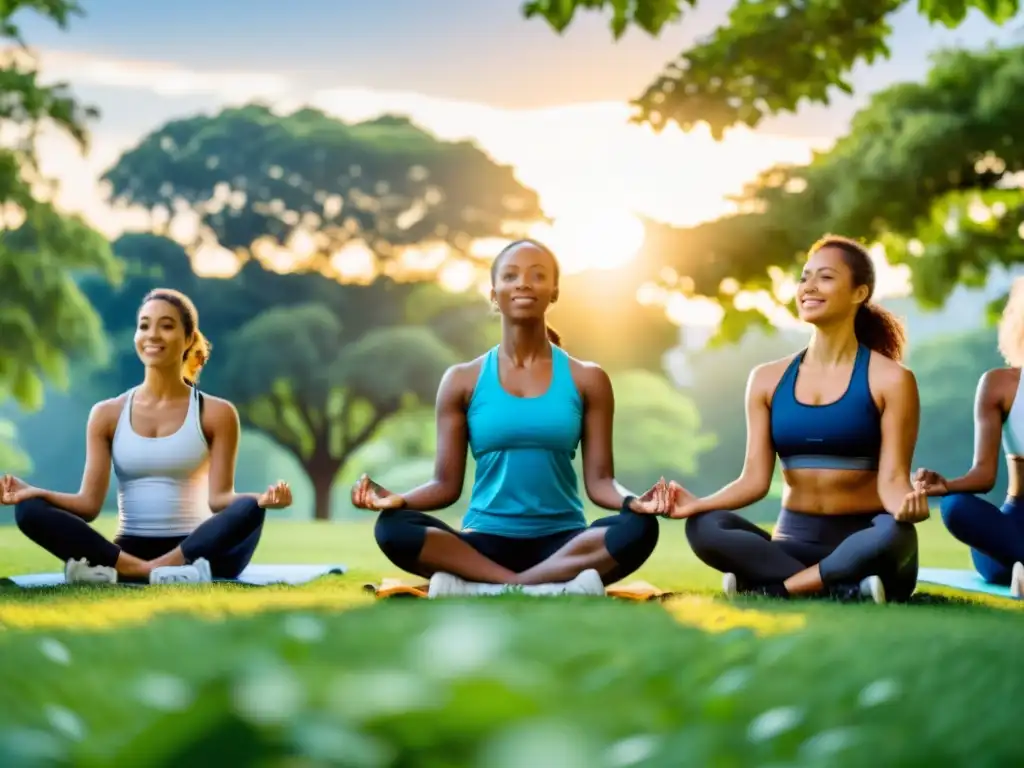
{"x": 847, "y": 548}
{"x": 227, "y": 540}
{"x": 630, "y": 540}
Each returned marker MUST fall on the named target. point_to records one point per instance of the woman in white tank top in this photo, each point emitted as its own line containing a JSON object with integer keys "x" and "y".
{"x": 995, "y": 535}
{"x": 173, "y": 451}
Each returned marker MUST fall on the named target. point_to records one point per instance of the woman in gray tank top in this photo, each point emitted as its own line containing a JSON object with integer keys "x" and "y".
{"x": 173, "y": 451}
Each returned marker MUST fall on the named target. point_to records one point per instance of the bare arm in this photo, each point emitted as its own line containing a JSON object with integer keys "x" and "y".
{"x": 901, "y": 416}
{"x": 759, "y": 461}
{"x": 88, "y": 502}
{"x": 988, "y": 425}
{"x": 452, "y": 442}
{"x": 221, "y": 424}
{"x": 598, "y": 464}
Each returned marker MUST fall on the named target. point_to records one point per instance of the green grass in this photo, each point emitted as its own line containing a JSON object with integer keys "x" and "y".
{"x": 322, "y": 675}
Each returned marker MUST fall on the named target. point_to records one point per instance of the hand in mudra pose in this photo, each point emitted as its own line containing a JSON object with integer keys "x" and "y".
{"x": 277, "y": 496}
{"x": 14, "y": 490}
{"x": 657, "y": 500}
{"x": 367, "y": 494}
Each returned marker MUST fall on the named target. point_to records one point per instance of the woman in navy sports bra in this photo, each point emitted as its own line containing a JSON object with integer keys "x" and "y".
{"x": 842, "y": 416}
{"x": 995, "y": 536}
{"x": 523, "y": 409}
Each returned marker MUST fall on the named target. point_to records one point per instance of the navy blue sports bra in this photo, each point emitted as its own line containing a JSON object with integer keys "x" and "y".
{"x": 846, "y": 434}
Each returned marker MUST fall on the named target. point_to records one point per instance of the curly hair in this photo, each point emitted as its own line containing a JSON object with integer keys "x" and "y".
{"x": 1011, "y": 326}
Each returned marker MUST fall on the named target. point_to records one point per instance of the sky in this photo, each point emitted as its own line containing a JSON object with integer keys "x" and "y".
{"x": 552, "y": 106}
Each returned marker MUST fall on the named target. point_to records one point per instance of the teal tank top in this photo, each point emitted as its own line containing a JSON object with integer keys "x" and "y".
{"x": 525, "y": 484}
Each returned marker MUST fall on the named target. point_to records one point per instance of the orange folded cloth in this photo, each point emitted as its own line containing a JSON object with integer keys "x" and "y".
{"x": 639, "y": 591}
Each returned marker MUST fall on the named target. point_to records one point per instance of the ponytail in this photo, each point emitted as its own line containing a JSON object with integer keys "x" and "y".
{"x": 554, "y": 336}
{"x": 875, "y": 327}
{"x": 198, "y": 352}
{"x": 195, "y": 358}
{"x": 880, "y": 330}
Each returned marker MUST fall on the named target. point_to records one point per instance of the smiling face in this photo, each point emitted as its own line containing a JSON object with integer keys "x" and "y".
{"x": 161, "y": 338}
{"x": 826, "y": 292}
{"x": 525, "y": 282}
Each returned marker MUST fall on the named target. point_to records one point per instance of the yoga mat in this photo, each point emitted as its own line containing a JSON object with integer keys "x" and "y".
{"x": 254, "y": 574}
{"x": 640, "y": 591}
{"x": 969, "y": 581}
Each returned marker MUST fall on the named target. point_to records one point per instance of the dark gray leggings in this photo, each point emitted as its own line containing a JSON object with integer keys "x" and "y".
{"x": 227, "y": 540}
{"x": 847, "y": 548}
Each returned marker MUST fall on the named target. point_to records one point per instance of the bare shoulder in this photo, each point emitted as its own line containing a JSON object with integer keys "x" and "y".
{"x": 589, "y": 375}
{"x": 999, "y": 386}
{"x": 1001, "y": 378}
{"x": 765, "y": 377}
{"x": 464, "y": 375}
{"x": 105, "y": 414}
{"x": 891, "y": 381}
{"x": 218, "y": 409}
{"x": 220, "y": 417}
{"x": 889, "y": 373}
{"x": 459, "y": 380}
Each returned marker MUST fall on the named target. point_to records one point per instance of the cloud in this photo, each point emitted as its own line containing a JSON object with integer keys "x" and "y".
{"x": 161, "y": 78}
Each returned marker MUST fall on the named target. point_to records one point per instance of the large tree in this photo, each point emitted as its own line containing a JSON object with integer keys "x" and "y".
{"x": 771, "y": 56}
{"x": 334, "y": 323}
{"x": 321, "y": 394}
{"x": 307, "y": 192}
{"x": 929, "y": 170}
{"x": 44, "y": 318}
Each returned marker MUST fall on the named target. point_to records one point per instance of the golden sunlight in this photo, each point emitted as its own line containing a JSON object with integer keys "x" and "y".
{"x": 592, "y": 239}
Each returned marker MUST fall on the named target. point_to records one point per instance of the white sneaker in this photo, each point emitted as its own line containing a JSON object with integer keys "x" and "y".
{"x": 80, "y": 572}
{"x": 587, "y": 583}
{"x": 448, "y": 585}
{"x": 872, "y": 588}
{"x": 729, "y": 585}
{"x": 1017, "y": 581}
{"x": 197, "y": 572}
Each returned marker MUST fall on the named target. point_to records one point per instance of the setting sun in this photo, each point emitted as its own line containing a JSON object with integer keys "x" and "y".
{"x": 593, "y": 239}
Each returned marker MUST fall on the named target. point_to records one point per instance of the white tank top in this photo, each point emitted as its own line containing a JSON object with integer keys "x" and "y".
{"x": 163, "y": 485}
{"x": 1013, "y": 427}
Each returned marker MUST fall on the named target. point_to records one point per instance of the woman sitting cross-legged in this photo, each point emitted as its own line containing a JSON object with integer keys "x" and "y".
{"x": 523, "y": 409}
{"x": 173, "y": 451}
{"x": 842, "y": 415}
{"x": 994, "y": 534}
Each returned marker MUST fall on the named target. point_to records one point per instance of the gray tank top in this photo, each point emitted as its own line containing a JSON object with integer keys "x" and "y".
{"x": 163, "y": 485}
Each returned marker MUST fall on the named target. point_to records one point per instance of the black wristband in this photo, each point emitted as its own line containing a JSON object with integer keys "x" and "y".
{"x": 626, "y": 501}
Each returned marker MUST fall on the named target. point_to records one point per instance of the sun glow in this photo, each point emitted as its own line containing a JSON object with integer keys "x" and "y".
{"x": 592, "y": 239}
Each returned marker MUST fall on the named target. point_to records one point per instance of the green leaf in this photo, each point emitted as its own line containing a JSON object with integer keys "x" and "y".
{"x": 27, "y": 389}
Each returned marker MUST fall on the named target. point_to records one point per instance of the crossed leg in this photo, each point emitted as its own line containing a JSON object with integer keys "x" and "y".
{"x": 614, "y": 546}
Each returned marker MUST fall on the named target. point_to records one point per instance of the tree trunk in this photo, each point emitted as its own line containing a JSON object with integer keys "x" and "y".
{"x": 322, "y": 471}
{"x": 322, "y": 497}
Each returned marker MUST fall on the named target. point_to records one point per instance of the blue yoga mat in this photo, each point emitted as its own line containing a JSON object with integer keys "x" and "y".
{"x": 968, "y": 581}
{"x": 254, "y": 574}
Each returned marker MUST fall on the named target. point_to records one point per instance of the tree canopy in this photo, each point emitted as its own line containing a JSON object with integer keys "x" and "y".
{"x": 929, "y": 170}
{"x": 314, "y": 354}
{"x": 770, "y": 56}
{"x": 44, "y": 317}
{"x": 295, "y": 190}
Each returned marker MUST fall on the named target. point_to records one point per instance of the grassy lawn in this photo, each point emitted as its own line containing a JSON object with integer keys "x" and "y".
{"x": 322, "y": 675}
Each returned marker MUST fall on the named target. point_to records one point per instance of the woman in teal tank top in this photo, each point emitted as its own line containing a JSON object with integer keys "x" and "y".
{"x": 523, "y": 409}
